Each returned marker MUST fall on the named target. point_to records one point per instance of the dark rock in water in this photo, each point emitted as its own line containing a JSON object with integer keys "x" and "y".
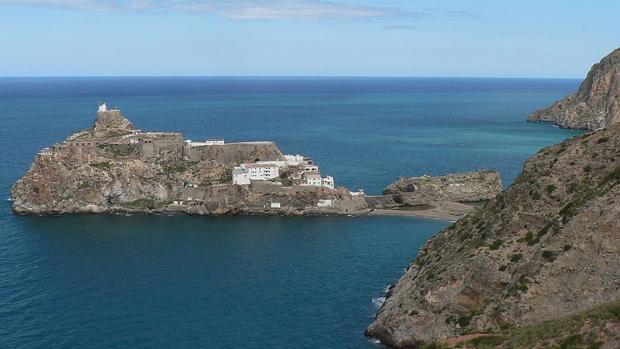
{"x": 546, "y": 248}
{"x": 595, "y": 105}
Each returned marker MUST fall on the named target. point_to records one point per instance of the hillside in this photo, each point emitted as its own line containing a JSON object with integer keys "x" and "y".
{"x": 546, "y": 248}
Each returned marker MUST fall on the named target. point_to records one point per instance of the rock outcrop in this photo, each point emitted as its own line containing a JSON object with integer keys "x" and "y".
{"x": 460, "y": 187}
{"x": 114, "y": 168}
{"x": 547, "y": 247}
{"x": 595, "y": 105}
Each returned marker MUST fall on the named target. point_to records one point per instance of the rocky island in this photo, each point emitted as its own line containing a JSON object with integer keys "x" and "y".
{"x": 595, "y": 105}
{"x": 537, "y": 267}
{"x": 115, "y": 168}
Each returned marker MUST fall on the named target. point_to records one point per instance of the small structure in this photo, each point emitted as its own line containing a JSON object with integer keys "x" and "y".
{"x": 325, "y": 203}
{"x": 313, "y": 179}
{"x": 102, "y": 108}
{"x": 241, "y": 176}
{"x": 311, "y": 168}
{"x": 293, "y": 160}
{"x": 328, "y": 182}
{"x": 276, "y": 205}
{"x": 47, "y": 152}
{"x": 215, "y": 142}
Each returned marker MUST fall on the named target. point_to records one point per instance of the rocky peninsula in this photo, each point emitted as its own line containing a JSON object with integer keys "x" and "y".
{"x": 537, "y": 266}
{"x": 595, "y": 105}
{"x": 445, "y": 197}
{"x": 113, "y": 167}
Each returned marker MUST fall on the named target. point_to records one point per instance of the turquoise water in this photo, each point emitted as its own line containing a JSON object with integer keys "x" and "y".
{"x": 251, "y": 282}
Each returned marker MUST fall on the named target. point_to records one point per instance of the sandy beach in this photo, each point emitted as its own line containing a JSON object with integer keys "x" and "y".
{"x": 445, "y": 210}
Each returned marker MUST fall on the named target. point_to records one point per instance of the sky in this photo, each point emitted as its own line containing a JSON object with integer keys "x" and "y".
{"x": 449, "y": 38}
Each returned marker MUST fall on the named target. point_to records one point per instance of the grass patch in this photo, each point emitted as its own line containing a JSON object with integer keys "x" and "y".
{"x": 515, "y": 258}
{"x": 101, "y": 165}
{"x": 496, "y": 244}
{"x": 564, "y": 333}
{"x": 550, "y": 188}
{"x": 150, "y": 203}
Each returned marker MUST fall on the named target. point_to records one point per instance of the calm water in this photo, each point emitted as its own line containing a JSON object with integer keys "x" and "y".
{"x": 251, "y": 282}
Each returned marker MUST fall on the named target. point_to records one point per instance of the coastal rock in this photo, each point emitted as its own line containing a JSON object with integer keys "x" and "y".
{"x": 114, "y": 168}
{"x": 460, "y": 187}
{"x": 547, "y": 247}
{"x": 595, "y": 105}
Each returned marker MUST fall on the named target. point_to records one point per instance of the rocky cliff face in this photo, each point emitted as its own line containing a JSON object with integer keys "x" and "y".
{"x": 547, "y": 247}
{"x": 114, "y": 168}
{"x": 460, "y": 187}
{"x": 595, "y": 105}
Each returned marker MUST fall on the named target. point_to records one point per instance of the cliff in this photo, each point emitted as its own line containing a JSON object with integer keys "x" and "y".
{"x": 595, "y": 105}
{"x": 114, "y": 168}
{"x": 544, "y": 249}
{"x": 460, "y": 187}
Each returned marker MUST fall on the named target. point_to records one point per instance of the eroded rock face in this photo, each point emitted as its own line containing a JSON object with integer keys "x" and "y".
{"x": 460, "y": 187}
{"x": 547, "y": 247}
{"x": 595, "y": 105}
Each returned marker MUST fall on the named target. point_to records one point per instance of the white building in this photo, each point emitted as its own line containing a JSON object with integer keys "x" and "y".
{"x": 313, "y": 179}
{"x": 325, "y": 203}
{"x": 311, "y": 168}
{"x": 328, "y": 182}
{"x": 241, "y": 176}
{"x": 205, "y": 143}
{"x": 46, "y": 152}
{"x": 294, "y": 160}
{"x": 261, "y": 172}
{"x": 102, "y": 108}
{"x": 276, "y": 205}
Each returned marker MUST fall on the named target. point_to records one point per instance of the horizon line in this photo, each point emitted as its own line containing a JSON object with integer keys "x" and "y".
{"x": 289, "y": 76}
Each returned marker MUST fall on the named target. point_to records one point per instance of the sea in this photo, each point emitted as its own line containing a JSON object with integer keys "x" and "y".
{"x": 141, "y": 281}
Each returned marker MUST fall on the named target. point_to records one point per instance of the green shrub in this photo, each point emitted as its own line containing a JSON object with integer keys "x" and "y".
{"x": 549, "y": 256}
{"x": 516, "y": 257}
{"x": 496, "y": 244}
{"x": 550, "y": 188}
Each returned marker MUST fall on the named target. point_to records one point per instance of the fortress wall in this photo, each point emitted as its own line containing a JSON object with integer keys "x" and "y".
{"x": 235, "y": 153}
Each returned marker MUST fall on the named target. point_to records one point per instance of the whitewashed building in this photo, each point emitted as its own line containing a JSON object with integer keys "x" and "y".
{"x": 311, "y": 168}
{"x": 276, "y": 205}
{"x": 328, "y": 182}
{"x": 47, "y": 152}
{"x": 241, "y": 176}
{"x": 261, "y": 172}
{"x": 313, "y": 179}
{"x": 215, "y": 142}
{"x": 294, "y": 160}
{"x": 325, "y": 203}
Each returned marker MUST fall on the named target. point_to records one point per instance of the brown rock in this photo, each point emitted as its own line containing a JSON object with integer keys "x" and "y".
{"x": 595, "y": 105}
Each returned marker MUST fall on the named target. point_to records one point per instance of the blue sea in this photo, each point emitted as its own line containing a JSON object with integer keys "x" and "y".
{"x": 245, "y": 282}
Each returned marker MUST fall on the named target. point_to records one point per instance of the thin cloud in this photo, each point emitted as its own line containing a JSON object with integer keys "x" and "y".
{"x": 240, "y": 10}
{"x": 400, "y": 27}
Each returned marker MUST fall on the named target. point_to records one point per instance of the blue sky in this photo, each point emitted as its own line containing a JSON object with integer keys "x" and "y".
{"x": 483, "y": 38}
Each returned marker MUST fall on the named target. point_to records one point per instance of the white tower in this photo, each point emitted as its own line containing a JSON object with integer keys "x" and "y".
{"x": 103, "y": 107}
